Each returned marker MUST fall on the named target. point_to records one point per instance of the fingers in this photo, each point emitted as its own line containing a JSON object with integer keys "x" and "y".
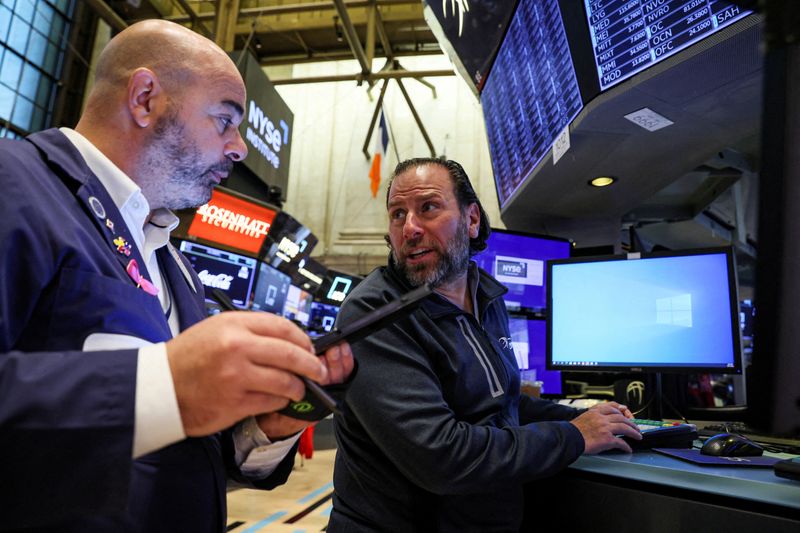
{"x": 628, "y": 430}
{"x": 620, "y": 444}
{"x": 622, "y": 409}
{"x": 339, "y": 361}
{"x": 275, "y": 425}
{"x": 278, "y": 353}
{"x": 275, "y": 382}
{"x": 603, "y": 431}
{"x": 269, "y": 325}
{"x": 612, "y": 407}
{"x": 256, "y": 402}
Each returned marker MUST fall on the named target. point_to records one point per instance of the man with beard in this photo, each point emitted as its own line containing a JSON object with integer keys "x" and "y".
{"x": 116, "y": 398}
{"x": 434, "y": 434}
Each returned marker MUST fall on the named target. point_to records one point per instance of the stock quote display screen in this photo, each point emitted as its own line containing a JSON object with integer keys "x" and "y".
{"x": 531, "y": 94}
{"x": 630, "y": 35}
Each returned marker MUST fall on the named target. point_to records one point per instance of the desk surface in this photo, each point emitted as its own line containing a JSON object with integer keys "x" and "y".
{"x": 756, "y": 484}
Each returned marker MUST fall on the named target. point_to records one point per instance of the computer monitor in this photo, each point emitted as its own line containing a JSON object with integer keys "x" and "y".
{"x": 658, "y": 312}
{"x": 297, "y": 306}
{"x": 221, "y": 269}
{"x": 270, "y": 290}
{"x": 287, "y": 244}
{"x": 636, "y": 83}
{"x": 517, "y": 260}
{"x": 530, "y": 96}
{"x": 322, "y": 318}
{"x": 529, "y": 342}
{"x": 629, "y": 38}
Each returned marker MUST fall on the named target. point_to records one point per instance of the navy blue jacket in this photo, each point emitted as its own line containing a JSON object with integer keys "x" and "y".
{"x": 66, "y": 416}
{"x": 434, "y": 434}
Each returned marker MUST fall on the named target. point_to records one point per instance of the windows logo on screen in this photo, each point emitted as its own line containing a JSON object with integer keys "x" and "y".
{"x": 675, "y": 310}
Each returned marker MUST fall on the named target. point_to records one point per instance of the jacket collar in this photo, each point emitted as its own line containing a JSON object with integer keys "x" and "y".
{"x": 436, "y": 305}
{"x": 59, "y": 151}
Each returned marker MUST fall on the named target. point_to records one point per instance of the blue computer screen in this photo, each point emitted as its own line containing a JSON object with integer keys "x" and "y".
{"x": 628, "y": 37}
{"x": 230, "y": 272}
{"x": 674, "y": 311}
{"x": 528, "y": 340}
{"x": 517, "y": 260}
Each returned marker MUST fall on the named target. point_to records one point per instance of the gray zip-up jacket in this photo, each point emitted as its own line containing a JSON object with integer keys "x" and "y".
{"x": 434, "y": 434}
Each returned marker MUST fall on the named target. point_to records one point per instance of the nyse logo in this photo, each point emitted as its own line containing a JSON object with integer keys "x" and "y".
{"x": 512, "y": 269}
{"x": 264, "y": 136}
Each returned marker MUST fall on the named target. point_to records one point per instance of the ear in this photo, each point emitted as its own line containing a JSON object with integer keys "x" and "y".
{"x": 474, "y": 214}
{"x": 144, "y": 93}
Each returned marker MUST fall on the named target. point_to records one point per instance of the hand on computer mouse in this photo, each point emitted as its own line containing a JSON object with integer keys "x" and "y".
{"x": 731, "y": 445}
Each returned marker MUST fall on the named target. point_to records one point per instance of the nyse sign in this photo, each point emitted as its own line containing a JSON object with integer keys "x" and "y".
{"x": 267, "y": 130}
{"x": 518, "y": 270}
{"x": 265, "y": 138}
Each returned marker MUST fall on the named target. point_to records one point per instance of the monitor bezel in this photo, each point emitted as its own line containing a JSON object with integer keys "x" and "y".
{"x": 733, "y": 303}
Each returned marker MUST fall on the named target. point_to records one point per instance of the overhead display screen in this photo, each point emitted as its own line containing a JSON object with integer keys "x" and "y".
{"x": 471, "y": 31}
{"x": 629, "y": 36}
{"x": 531, "y": 95}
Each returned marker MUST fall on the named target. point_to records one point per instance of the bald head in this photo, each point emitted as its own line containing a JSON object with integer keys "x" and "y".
{"x": 174, "y": 53}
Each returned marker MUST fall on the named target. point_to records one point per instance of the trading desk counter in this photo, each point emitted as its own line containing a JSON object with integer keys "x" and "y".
{"x": 649, "y": 492}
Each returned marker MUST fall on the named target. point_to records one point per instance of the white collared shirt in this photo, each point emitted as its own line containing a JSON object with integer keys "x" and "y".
{"x": 157, "y": 417}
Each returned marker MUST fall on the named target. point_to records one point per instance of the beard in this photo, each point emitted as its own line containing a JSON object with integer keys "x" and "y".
{"x": 176, "y": 175}
{"x": 453, "y": 260}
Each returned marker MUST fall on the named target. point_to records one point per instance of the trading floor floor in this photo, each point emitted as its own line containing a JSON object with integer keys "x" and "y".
{"x": 302, "y": 505}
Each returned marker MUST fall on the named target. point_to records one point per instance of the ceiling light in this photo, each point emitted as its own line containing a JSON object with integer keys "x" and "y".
{"x": 602, "y": 181}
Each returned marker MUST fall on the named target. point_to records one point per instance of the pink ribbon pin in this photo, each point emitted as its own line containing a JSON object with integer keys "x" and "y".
{"x": 133, "y": 271}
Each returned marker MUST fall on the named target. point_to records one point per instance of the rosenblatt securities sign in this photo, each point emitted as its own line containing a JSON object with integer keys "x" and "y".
{"x": 267, "y": 125}
{"x": 232, "y": 221}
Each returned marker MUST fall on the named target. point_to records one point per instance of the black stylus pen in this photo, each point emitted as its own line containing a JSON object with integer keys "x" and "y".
{"x": 227, "y": 305}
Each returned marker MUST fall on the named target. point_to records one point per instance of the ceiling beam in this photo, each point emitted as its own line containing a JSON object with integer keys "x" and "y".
{"x": 288, "y": 9}
{"x": 196, "y": 23}
{"x": 383, "y": 36}
{"x": 322, "y": 21}
{"x": 372, "y": 15}
{"x": 382, "y": 75}
{"x": 226, "y": 22}
{"x": 335, "y": 55}
{"x": 352, "y": 37}
{"x": 107, "y": 14}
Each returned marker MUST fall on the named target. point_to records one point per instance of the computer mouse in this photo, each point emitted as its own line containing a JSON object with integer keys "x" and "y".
{"x": 730, "y": 445}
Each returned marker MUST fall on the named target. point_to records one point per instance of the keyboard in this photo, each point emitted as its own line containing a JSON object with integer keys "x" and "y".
{"x": 661, "y": 434}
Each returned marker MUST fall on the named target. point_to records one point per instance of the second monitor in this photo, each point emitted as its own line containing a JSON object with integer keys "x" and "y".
{"x": 659, "y": 312}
